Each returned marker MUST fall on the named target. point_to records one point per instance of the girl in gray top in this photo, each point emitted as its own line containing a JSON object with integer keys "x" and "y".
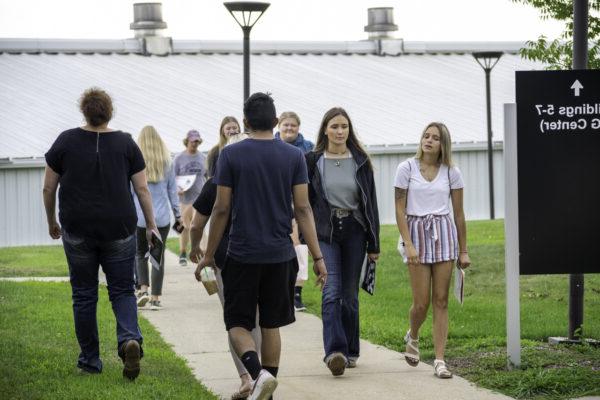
{"x": 189, "y": 162}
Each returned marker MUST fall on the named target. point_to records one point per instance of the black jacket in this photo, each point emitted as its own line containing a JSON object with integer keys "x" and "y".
{"x": 322, "y": 209}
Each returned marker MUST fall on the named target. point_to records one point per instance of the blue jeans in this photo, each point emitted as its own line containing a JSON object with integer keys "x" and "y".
{"x": 117, "y": 259}
{"x": 344, "y": 257}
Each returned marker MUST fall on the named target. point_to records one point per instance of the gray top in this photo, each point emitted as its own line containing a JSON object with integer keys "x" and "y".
{"x": 191, "y": 164}
{"x": 340, "y": 183}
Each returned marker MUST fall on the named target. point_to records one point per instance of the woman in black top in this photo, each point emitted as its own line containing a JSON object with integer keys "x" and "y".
{"x": 94, "y": 167}
{"x": 344, "y": 203}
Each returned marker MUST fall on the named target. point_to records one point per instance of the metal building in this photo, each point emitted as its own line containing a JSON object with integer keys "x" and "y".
{"x": 391, "y": 89}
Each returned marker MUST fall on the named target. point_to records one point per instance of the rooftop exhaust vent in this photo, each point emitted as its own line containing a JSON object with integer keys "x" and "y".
{"x": 148, "y": 25}
{"x": 381, "y": 23}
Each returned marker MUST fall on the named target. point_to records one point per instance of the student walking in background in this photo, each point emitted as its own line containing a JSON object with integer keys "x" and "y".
{"x": 424, "y": 187}
{"x": 163, "y": 189}
{"x": 94, "y": 166}
{"x": 258, "y": 180}
{"x": 229, "y": 127}
{"x": 289, "y": 132}
{"x": 190, "y": 163}
{"x": 202, "y": 210}
{"x": 342, "y": 195}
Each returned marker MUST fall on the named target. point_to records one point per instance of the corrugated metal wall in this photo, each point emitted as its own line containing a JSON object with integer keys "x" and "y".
{"x": 22, "y": 216}
{"x": 23, "y": 220}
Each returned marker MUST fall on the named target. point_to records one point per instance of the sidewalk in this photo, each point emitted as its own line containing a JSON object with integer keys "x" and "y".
{"x": 192, "y": 322}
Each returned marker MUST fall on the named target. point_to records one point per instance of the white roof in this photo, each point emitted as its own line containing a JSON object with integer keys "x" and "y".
{"x": 389, "y": 98}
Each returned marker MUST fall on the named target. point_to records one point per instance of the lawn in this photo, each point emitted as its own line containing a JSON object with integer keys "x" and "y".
{"x": 33, "y": 261}
{"x": 477, "y": 339}
{"x": 38, "y": 352}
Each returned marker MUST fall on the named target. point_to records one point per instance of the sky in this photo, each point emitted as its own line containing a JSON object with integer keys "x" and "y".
{"x": 428, "y": 20}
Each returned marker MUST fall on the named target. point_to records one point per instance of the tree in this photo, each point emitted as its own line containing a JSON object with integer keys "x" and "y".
{"x": 558, "y": 53}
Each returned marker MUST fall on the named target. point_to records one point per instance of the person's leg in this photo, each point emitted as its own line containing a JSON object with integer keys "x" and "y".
{"x": 353, "y": 250}
{"x": 141, "y": 266}
{"x": 158, "y": 275}
{"x": 117, "y": 259}
{"x": 420, "y": 282}
{"x": 441, "y": 276}
{"x": 334, "y": 339}
{"x": 302, "y": 256}
{"x": 240, "y": 292}
{"x": 83, "y": 262}
{"x": 245, "y": 385}
{"x": 187, "y": 211}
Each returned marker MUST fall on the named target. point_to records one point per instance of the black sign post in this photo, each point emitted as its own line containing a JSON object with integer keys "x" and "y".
{"x": 558, "y": 152}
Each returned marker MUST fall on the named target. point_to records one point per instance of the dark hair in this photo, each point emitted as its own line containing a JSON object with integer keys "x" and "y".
{"x": 96, "y": 106}
{"x": 259, "y": 112}
{"x": 352, "y": 141}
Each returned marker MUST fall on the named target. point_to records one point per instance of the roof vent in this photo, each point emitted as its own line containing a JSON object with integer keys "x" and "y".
{"x": 147, "y": 19}
{"x": 148, "y": 26}
{"x": 381, "y": 23}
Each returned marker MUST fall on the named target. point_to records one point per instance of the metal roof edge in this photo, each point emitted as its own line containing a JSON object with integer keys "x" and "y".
{"x": 70, "y": 46}
{"x": 411, "y": 148}
{"x": 384, "y": 47}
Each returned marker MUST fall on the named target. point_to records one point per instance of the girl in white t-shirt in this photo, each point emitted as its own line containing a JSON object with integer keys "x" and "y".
{"x": 424, "y": 187}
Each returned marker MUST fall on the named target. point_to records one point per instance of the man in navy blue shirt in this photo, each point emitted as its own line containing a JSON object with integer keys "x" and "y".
{"x": 258, "y": 180}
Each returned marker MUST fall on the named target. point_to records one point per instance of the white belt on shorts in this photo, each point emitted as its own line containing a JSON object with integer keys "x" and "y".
{"x": 430, "y": 227}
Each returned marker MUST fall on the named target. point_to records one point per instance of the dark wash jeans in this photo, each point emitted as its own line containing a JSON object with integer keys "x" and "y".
{"x": 344, "y": 257}
{"x": 117, "y": 257}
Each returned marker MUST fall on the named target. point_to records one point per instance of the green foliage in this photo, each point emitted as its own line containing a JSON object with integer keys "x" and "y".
{"x": 558, "y": 53}
{"x": 39, "y": 352}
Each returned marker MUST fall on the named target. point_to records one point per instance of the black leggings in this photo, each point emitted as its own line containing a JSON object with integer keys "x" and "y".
{"x": 141, "y": 261}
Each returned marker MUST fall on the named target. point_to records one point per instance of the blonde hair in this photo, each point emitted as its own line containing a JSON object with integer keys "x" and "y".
{"x": 222, "y": 137}
{"x": 155, "y": 152}
{"x": 445, "y": 156}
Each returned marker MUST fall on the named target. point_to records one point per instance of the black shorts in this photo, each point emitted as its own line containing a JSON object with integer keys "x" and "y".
{"x": 268, "y": 286}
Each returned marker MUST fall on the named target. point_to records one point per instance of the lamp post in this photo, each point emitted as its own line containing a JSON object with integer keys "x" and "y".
{"x": 488, "y": 60}
{"x": 246, "y": 14}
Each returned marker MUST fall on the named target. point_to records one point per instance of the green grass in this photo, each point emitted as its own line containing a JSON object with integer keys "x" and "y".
{"x": 38, "y": 352}
{"x": 477, "y": 338}
{"x": 33, "y": 261}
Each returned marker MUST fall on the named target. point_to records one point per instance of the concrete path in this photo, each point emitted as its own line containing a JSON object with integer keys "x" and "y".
{"x": 192, "y": 322}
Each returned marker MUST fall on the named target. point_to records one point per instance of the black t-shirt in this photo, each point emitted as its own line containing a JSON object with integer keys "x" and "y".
{"x": 204, "y": 205}
{"x": 95, "y": 169}
{"x": 261, "y": 174}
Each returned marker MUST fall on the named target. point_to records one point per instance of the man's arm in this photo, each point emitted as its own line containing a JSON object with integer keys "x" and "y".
{"x": 220, "y": 216}
{"x": 140, "y": 186}
{"x": 49, "y": 193}
{"x": 306, "y": 224}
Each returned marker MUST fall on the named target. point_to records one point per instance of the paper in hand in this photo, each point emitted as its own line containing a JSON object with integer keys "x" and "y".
{"x": 156, "y": 251}
{"x": 184, "y": 182}
{"x": 459, "y": 284}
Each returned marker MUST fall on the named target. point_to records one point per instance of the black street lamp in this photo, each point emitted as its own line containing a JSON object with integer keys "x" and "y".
{"x": 246, "y": 14}
{"x": 488, "y": 60}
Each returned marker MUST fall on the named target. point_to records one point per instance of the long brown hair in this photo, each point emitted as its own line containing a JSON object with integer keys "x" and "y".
{"x": 323, "y": 140}
{"x": 445, "y": 156}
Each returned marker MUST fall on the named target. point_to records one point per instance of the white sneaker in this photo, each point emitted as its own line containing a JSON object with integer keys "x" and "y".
{"x": 142, "y": 299}
{"x": 264, "y": 386}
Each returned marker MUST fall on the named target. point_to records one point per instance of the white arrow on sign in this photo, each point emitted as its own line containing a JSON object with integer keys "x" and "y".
{"x": 576, "y": 86}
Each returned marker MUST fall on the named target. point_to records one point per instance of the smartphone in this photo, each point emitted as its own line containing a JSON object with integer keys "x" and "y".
{"x": 177, "y": 227}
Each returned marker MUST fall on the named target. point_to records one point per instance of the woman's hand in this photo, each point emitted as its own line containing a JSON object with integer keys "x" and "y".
{"x": 464, "y": 261}
{"x": 412, "y": 257}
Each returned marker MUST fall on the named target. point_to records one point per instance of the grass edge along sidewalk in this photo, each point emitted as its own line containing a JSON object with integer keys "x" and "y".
{"x": 38, "y": 352}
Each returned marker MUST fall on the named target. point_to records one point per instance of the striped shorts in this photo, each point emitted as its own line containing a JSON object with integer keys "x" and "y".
{"x": 434, "y": 238}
